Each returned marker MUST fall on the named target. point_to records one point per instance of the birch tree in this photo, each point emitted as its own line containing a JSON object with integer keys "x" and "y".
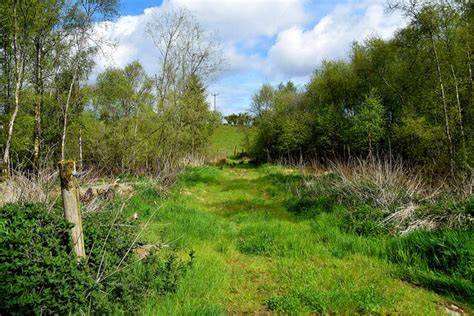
{"x": 16, "y": 21}
{"x": 185, "y": 49}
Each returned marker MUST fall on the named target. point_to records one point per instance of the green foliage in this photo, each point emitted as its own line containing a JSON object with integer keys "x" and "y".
{"x": 310, "y": 206}
{"x": 364, "y": 220}
{"x": 386, "y": 100}
{"x": 208, "y": 175}
{"x": 258, "y": 248}
{"x": 440, "y": 260}
{"x": 242, "y": 119}
{"x": 369, "y": 120}
{"x": 275, "y": 239}
{"x": 37, "y": 270}
{"x": 284, "y": 304}
{"x": 300, "y": 299}
{"x": 40, "y": 274}
{"x": 449, "y": 252}
{"x": 125, "y": 133}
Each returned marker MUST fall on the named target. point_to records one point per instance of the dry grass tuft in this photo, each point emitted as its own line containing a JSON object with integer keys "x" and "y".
{"x": 22, "y": 187}
{"x": 383, "y": 184}
{"x": 408, "y": 201}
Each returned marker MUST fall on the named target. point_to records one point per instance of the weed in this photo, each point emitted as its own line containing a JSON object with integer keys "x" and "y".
{"x": 40, "y": 274}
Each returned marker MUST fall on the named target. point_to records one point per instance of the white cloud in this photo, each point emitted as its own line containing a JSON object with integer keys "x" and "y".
{"x": 234, "y": 22}
{"x": 127, "y": 42}
{"x": 262, "y": 40}
{"x": 244, "y": 19}
{"x": 298, "y": 51}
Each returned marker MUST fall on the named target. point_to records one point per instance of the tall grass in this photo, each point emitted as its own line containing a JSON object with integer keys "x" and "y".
{"x": 380, "y": 183}
{"x": 23, "y": 187}
{"x": 398, "y": 197}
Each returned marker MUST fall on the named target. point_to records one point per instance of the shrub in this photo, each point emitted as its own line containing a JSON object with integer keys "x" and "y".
{"x": 22, "y": 187}
{"x": 379, "y": 183}
{"x": 39, "y": 272}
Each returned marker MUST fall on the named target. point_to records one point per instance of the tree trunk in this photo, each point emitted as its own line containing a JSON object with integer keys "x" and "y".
{"x": 18, "y": 85}
{"x": 445, "y": 105}
{"x": 80, "y": 150}
{"x": 458, "y": 100}
{"x": 65, "y": 111}
{"x": 369, "y": 156}
{"x": 39, "y": 90}
{"x": 459, "y": 108}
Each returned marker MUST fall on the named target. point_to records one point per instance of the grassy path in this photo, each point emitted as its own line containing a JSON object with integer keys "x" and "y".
{"x": 253, "y": 256}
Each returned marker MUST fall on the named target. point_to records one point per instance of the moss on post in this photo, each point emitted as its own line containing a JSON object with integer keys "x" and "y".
{"x": 72, "y": 209}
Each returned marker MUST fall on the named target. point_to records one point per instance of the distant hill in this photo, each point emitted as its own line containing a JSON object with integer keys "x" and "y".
{"x": 226, "y": 139}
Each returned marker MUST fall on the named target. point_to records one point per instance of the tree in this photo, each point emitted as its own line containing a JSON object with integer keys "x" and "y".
{"x": 262, "y": 101}
{"x": 196, "y": 121}
{"x": 16, "y": 19}
{"x": 185, "y": 50}
{"x": 79, "y": 47}
{"x": 438, "y": 24}
{"x": 47, "y": 21}
{"x": 369, "y": 121}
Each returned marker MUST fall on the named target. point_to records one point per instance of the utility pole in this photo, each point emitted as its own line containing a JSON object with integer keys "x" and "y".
{"x": 215, "y": 95}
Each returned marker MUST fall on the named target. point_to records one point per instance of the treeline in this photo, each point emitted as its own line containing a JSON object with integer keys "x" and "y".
{"x": 409, "y": 97}
{"x": 242, "y": 119}
{"x": 127, "y": 121}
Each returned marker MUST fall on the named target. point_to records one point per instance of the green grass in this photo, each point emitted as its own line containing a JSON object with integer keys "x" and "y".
{"x": 227, "y": 140}
{"x": 253, "y": 255}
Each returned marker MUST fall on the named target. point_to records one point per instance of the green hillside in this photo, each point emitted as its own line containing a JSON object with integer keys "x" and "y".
{"x": 228, "y": 139}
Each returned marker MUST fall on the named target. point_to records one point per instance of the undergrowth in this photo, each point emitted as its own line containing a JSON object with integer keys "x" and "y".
{"x": 40, "y": 274}
{"x": 431, "y": 245}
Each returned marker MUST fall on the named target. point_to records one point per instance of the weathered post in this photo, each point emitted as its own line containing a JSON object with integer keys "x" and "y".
{"x": 72, "y": 210}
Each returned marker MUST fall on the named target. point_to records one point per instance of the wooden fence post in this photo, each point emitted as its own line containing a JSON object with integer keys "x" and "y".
{"x": 72, "y": 209}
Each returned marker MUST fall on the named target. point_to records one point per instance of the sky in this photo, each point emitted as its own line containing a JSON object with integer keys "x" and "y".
{"x": 263, "y": 41}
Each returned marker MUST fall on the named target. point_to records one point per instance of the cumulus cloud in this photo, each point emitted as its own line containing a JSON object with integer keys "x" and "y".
{"x": 243, "y": 20}
{"x": 262, "y": 41}
{"x": 124, "y": 41}
{"x": 234, "y": 22}
{"x": 298, "y": 51}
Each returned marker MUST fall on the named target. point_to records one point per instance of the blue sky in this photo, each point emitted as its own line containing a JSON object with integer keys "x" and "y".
{"x": 263, "y": 41}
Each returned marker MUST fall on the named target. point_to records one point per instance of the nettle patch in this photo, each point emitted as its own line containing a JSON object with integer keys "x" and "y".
{"x": 39, "y": 272}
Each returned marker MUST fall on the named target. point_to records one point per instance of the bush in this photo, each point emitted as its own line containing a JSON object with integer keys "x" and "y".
{"x": 39, "y": 272}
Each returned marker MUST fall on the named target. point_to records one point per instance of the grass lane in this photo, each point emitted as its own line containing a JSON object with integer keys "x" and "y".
{"x": 253, "y": 256}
